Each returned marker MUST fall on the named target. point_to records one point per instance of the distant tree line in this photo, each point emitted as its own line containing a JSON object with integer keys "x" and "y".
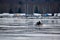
{"x": 19, "y": 9}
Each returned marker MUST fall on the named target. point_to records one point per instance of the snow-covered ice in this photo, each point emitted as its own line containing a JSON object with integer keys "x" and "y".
{"x": 25, "y": 29}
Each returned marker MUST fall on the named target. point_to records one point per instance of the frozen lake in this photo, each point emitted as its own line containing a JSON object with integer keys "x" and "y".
{"x": 25, "y": 29}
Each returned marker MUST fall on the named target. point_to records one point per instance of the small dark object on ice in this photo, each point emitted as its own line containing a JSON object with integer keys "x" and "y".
{"x": 38, "y": 23}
